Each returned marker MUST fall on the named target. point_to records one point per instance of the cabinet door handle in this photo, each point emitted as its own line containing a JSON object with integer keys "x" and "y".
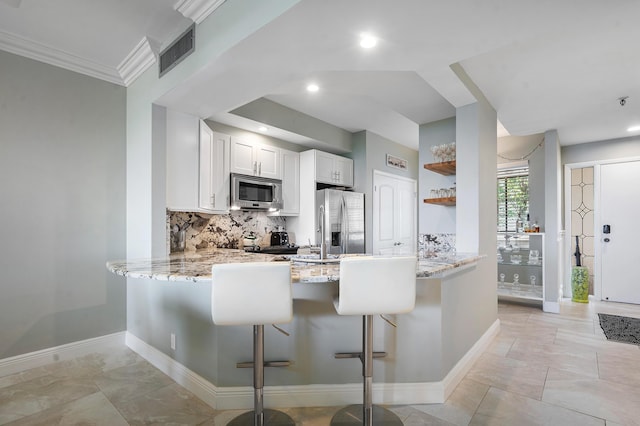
{"x": 255, "y": 167}
{"x": 260, "y": 169}
{"x": 213, "y": 200}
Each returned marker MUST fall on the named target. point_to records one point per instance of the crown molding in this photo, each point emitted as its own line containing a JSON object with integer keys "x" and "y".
{"x": 50, "y": 55}
{"x": 137, "y": 61}
{"x": 197, "y": 10}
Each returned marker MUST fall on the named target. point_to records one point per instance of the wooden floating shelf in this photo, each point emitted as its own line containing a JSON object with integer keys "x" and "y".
{"x": 446, "y": 201}
{"x": 446, "y": 168}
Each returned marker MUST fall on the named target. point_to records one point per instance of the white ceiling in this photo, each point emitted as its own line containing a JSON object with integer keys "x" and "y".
{"x": 90, "y": 36}
{"x": 543, "y": 65}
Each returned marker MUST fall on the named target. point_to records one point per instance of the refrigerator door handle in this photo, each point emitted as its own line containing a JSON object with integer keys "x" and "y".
{"x": 345, "y": 227}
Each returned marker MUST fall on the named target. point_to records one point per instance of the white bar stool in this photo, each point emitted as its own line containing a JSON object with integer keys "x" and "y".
{"x": 373, "y": 286}
{"x": 254, "y": 294}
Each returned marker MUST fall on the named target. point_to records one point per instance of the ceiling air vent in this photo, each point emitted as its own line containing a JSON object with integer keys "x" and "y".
{"x": 177, "y": 51}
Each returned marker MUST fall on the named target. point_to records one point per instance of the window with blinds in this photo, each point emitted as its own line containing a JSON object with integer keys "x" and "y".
{"x": 513, "y": 197}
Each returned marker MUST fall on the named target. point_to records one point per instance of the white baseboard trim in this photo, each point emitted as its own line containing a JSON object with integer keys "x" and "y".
{"x": 68, "y": 351}
{"x": 186, "y": 378}
{"x": 462, "y": 367}
{"x": 331, "y": 395}
{"x": 552, "y": 307}
{"x": 224, "y": 398}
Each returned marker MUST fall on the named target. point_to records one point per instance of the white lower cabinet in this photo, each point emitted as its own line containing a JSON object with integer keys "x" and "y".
{"x": 290, "y": 162}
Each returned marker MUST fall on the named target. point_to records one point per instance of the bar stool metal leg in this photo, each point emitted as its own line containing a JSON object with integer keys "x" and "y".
{"x": 367, "y": 369}
{"x": 259, "y": 416}
{"x": 258, "y": 374}
{"x": 366, "y": 413}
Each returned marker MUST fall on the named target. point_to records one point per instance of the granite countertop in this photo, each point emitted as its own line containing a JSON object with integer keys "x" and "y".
{"x": 196, "y": 266}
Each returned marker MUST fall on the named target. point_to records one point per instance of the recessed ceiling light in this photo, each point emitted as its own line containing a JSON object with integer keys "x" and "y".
{"x": 263, "y": 129}
{"x": 633, "y": 129}
{"x": 367, "y": 41}
{"x": 313, "y": 87}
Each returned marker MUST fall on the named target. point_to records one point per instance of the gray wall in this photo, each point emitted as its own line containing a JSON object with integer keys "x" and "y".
{"x": 322, "y": 135}
{"x": 62, "y": 167}
{"x": 469, "y": 299}
{"x": 252, "y": 136}
{"x": 601, "y": 151}
{"x": 370, "y": 153}
{"x": 435, "y": 219}
{"x": 421, "y": 349}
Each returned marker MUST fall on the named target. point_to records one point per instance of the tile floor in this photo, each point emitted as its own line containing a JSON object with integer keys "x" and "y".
{"x": 542, "y": 369}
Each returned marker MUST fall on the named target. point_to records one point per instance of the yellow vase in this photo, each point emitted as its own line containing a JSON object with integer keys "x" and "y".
{"x": 580, "y": 284}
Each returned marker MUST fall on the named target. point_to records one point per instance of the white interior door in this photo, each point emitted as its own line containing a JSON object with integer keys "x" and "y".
{"x": 394, "y": 214}
{"x": 619, "y": 204}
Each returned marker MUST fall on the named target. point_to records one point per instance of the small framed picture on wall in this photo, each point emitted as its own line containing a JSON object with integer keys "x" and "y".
{"x": 396, "y": 162}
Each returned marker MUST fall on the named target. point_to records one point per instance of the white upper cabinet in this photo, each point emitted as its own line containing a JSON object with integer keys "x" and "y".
{"x": 324, "y": 167}
{"x": 344, "y": 170}
{"x": 197, "y": 165}
{"x": 242, "y": 157}
{"x": 268, "y": 159}
{"x": 253, "y": 159}
{"x": 290, "y": 183}
{"x": 214, "y": 170}
{"x": 182, "y": 161}
{"x": 333, "y": 169}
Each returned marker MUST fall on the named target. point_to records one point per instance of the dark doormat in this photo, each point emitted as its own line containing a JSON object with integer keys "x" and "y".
{"x": 621, "y": 329}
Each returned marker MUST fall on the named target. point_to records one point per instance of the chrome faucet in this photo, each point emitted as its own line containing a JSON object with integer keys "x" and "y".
{"x": 323, "y": 245}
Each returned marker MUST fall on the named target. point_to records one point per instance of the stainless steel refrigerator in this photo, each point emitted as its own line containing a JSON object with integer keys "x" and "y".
{"x": 343, "y": 220}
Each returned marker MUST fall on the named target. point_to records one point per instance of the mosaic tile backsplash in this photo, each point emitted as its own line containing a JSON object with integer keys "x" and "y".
{"x": 227, "y": 231}
{"x": 222, "y": 231}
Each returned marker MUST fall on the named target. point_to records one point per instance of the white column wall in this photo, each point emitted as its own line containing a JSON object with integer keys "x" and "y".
{"x": 476, "y": 147}
{"x": 553, "y": 222}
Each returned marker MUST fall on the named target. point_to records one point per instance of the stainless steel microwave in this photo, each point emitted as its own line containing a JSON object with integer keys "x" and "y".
{"x": 255, "y": 193}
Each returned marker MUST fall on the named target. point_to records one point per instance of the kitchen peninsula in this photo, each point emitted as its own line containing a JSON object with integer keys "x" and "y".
{"x": 196, "y": 265}
{"x": 419, "y": 366}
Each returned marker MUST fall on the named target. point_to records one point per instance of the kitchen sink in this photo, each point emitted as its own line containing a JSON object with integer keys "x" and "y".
{"x": 314, "y": 258}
